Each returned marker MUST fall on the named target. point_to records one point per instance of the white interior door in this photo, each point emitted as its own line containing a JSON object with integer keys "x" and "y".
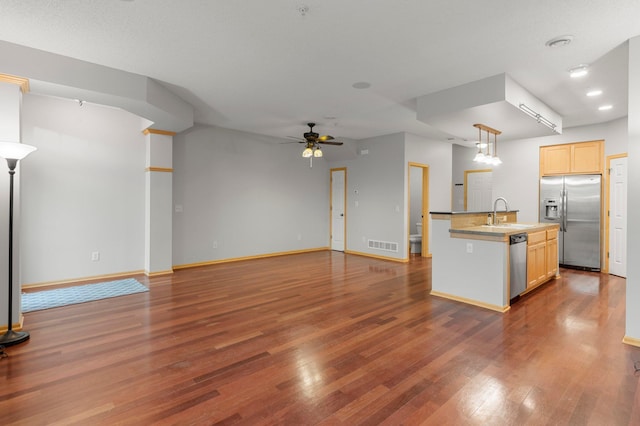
{"x": 338, "y": 190}
{"x": 479, "y": 190}
{"x": 618, "y": 217}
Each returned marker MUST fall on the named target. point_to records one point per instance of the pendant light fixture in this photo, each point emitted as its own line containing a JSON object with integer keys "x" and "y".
{"x": 488, "y": 157}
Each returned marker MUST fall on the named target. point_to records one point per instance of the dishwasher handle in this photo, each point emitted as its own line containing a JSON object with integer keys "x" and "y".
{"x": 517, "y": 238}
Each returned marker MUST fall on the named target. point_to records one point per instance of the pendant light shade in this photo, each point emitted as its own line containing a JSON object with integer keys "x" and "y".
{"x": 308, "y": 152}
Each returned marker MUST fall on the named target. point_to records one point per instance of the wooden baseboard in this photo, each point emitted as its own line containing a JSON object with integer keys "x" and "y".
{"x": 77, "y": 280}
{"x": 158, "y": 273}
{"x": 14, "y": 327}
{"x": 238, "y": 259}
{"x": 631, "y": 341}
{"x": 501, "y": 309}
{"x": 376, "y": 256}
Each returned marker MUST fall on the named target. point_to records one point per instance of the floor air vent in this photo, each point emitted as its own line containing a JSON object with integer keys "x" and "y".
{"x": 383, "y": 245}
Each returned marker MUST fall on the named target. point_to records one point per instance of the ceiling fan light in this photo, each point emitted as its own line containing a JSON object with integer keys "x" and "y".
{"x": 307, "y": 153}
{"x": 317, "y": 153}
{"x": 479, "y": 158}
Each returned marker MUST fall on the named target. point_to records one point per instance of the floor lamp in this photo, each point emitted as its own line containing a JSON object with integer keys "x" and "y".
{"x": 12, "y": 152}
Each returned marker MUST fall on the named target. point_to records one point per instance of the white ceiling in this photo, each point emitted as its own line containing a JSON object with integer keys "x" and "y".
{"x": 265, "y": 67}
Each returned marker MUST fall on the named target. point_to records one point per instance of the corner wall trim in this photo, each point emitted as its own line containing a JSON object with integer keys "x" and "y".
{"x": 159, "y": 169}
{"x": 20, "y": 81}
{"x": 158, "y": 132}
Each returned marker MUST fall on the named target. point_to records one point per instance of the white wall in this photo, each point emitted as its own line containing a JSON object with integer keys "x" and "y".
{"x": 376, "y": 195}
{"x": 82, "y": 191}
{"x": 248, "y": 193}
{"x": 438, "y": 156}
{"x": 633, "y": 194}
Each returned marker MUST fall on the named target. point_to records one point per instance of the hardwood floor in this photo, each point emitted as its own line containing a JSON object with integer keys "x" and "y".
{"x": 325, "y": 338}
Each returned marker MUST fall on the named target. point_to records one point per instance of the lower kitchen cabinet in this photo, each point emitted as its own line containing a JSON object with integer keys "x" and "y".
{"x": 536, "y": 264}
{"x": 552, "y": 255}
{"x": 542, "y": 257}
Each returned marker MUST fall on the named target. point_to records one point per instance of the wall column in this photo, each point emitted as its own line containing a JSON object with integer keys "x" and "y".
{"x": 632, "y": 330}
{"x": 11, "y": 89}
{"x": 158, "y": 259}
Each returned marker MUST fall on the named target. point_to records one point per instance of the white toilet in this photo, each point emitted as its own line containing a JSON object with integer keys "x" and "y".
{"x": 415, "y": 240}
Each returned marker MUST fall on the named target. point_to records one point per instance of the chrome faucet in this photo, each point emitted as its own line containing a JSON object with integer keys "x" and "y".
{"x": 495, "y": 207}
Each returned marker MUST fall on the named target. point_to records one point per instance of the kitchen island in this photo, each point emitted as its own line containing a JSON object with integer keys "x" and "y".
{"x": 470, "y": 260}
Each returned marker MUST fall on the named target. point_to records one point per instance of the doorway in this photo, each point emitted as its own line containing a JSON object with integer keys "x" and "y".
{"x": 478, "y": 190}
{"x": 616, "y": 251}
{"x": 418, "y": 211}
{"x": 338, "y": 211}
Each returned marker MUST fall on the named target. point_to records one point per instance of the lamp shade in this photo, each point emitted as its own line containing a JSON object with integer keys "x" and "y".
{"x": 307, "y": 153}
{"x": 317, "y": 153}
{"x": 15, "y": 150}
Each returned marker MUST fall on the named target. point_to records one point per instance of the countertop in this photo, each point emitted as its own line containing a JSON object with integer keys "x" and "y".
{"x": 499, "y": 233}
{"x": 478, "y": 212}
{"x": 505, "y": 229}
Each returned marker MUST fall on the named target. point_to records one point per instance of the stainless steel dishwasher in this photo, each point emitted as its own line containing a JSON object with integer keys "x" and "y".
{"x": 518, "y": 264}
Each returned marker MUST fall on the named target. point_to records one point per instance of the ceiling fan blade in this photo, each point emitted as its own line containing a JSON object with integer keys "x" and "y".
{"x": 330, "y": 142}
{"x": 296, "y": 139}
{"x": 325, "y": 138}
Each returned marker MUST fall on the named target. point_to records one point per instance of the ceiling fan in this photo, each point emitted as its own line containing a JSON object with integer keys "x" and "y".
{"x": 313, "y": 141}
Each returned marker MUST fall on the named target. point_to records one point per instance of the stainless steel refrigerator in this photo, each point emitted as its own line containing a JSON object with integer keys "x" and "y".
{"x": 573, "y": 202}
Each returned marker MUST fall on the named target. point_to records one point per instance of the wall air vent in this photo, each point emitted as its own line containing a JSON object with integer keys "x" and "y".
{"x": 383, "y": 245}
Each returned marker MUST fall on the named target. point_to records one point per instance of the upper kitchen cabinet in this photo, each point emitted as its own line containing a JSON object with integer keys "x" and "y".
{"x": 573, "y": 158}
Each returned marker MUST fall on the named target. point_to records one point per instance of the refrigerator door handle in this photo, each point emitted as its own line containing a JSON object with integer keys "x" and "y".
{"x": 565, "y": 209}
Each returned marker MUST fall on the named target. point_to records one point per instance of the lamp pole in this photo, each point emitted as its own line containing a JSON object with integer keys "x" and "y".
{"x": 12, "y": 152}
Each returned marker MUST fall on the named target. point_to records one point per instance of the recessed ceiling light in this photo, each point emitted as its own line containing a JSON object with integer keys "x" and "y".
{"x": 605, "y": 107}
{"x": 579, "y": 71}
{"x": 361, "y": 85}
{"x": 596, "y": 92}
{"x": 559, "y": 41}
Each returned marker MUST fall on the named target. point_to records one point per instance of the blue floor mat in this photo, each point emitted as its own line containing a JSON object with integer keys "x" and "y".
{"x": 78, "y": 294}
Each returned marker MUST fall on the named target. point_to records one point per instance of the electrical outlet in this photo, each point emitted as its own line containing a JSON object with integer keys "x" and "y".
{"x": 469, "y": 247}
{"x": 215, "y": 244}
{"x": 95, "y": 256}
{"x": 299, "y": 237}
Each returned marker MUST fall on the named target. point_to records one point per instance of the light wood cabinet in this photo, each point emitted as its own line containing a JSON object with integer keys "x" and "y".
{"x": 536, "y": 264}
{"x": 536, "y": 258}
{"x": 586, "y": 157}
{"x": 555, "y": 159}
{"x": 542, "y": 257}
{"x": 583, "y": 157}
{"x": 551, "y": 250}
